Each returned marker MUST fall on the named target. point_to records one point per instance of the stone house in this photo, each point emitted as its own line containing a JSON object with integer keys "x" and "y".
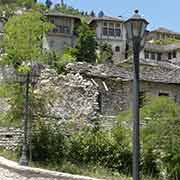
{"x": 110, "y": 30}
{"x": 162, "y": 45}
{"x": 161, "y": 33}
{"x": 114, "y": 83}
{"x": 62, "y": 35}
{"x": 165, "y": 53}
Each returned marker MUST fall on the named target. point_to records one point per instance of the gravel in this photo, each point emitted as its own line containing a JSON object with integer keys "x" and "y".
{"x": 7, "y": 174}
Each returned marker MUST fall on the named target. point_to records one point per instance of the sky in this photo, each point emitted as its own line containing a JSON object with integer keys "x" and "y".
{"x": 159, "y": 13}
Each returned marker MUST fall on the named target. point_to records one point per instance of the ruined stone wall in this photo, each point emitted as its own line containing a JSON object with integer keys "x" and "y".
{"x": 66, "y": 96}
{"x": 153, "y": 89}
{"x": 10, "y": 137}
{"x": 118, "y": 95}
{"x": 113, "y": 96}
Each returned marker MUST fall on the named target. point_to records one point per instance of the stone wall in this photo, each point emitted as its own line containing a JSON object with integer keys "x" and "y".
{"x": 66, "y": 96}
{"x": 10, "y": 137}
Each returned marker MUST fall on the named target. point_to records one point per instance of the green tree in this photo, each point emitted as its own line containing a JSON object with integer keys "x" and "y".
{"x": 105, "y": 52}
{"x": 59, "y": 60}
{"x": 67, "y": 9}
{"x": 48, "y": 3}
{"x": 23, "y": 37}
{"x": 86, "y": 44}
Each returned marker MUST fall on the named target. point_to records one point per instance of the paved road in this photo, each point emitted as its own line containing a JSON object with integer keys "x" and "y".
{"x": 6, "y": 174}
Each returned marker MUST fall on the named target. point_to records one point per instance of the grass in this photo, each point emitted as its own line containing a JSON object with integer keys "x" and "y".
{"x": 68, "y": 167}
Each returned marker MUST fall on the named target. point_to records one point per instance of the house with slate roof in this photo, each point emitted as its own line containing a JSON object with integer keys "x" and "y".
{"x": 62, "y": 35}
{"x": 162, "y": 45}
{"x": 114, "y": 83}
{"x": 110, "y": 30}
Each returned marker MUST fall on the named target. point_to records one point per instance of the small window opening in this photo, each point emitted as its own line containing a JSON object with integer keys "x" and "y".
{"x": 164, "y": 94}
{"x": 159, "y": 55}
{"x": 117, "y": 49}
{"x": 174, "y": 54}
{"x": 8, "y": 136}
{"x": 152, "y": 55}
{"x": 169, "y": 55}
{"x": 146, "y": 55}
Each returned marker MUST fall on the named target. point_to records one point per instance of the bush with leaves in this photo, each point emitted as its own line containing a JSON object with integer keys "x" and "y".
{"x": 58, "y": 60}
{"x": 105, "y": 53}
{"x": 24, "y": 43}
{"x": 48, "y": 143}
{"x": 101, "y": 147}
{"x": 160, "y": 137}
{"x": 86, "y": 44}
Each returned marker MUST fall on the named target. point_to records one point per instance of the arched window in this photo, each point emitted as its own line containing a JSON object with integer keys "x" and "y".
{"x": 117, "y": 49}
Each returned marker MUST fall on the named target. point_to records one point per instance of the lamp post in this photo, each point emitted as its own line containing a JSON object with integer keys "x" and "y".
{"x": 30, "y": 77}
{"x": 135, "y": 28}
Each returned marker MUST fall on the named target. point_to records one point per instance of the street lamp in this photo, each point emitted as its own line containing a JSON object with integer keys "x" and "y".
{"x": 135, "y": 29}
{"x": 28, "y": 78}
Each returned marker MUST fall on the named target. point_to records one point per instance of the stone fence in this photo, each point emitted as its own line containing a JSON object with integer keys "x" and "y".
{"x": 10, "y": 137}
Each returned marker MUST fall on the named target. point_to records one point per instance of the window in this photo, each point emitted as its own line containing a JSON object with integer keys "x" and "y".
{"x": 159, "y": 56}
{"x": 146, "y": 54}
{"x": 117, "y": 25}
{"x": 66, "y": 30}
{"x": 111, "y": 29}
{"x": 169, "y": 55}
{"x": 55, "y": 30}
{"x": 174, "y": 54}
{"x": 60, "y": 29}
{"x": 163, "y": 94}
{"x": 105, "y": 31}
{"x": 153, "y": 56}
{"x": 111, "y": 32}
{"x": 118, "y": 32}
{"x": 126, "y": 51}
{"x": 111, "y": 25}
{"x": 117, "y": 49}
{"x": 105, "y": 24}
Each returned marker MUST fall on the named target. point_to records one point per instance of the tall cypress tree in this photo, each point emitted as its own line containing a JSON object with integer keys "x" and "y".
{"x": 48, "y": 3}
{"x": 86, "y": 44}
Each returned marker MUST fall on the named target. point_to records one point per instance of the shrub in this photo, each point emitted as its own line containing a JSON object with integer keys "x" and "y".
{"x": 108, "y": 149}
{"x": 48, "y": 143}
{"x": 160, "y": 136}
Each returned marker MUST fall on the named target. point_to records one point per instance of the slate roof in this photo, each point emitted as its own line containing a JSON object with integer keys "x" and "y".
{"x": 158, "y": 73}
{"x": 106, "y": 18}
{"x": 59, "y": 14}
{"x": 156, "y": 47}
{"x": 164, "y": 30}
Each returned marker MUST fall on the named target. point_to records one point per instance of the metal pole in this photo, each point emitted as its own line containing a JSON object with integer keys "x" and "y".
{"x": 136, "y": 139}
{"x": 24, "y": 159}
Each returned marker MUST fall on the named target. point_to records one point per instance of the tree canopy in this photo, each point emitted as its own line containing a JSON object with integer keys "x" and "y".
{"x": 23, "y": 37}
{"x": 86, "y": 44}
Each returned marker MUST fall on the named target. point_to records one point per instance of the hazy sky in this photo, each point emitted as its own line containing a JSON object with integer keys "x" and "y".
{"x": 160, "y": 13}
